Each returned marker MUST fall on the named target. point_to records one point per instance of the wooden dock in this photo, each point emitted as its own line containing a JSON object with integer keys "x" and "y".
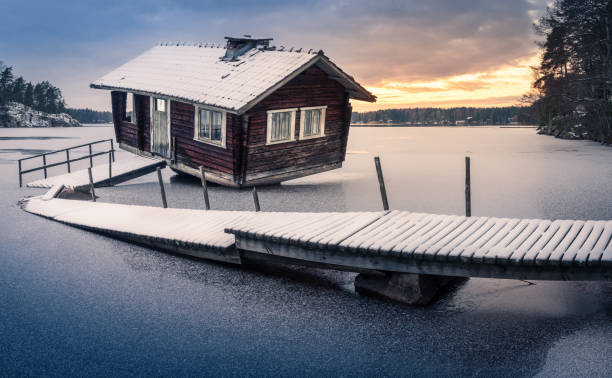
{"x": 401, "y": 241}
{"x": 184, "y": 231}
{"x": 102, "y": 176}
{"x": 392, "y": 241}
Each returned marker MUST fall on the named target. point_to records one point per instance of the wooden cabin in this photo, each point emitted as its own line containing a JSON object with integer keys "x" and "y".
{"x": 248, "y": 112}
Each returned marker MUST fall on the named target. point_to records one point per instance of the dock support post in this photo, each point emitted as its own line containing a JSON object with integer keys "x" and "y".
{"x": 468, "y": 193}
{"x": 204, "y": 188}
{"x": 90, "y": 158}
{"x": 45, "y": 164}
{"x": 20, "y": 178}
{"x": 409, "y": 288}
{"x": 381, "y": 183}
{"x": 91, "y": 185}
{"x": 110, "y": 169}
{"x": 68, "y": 159}
{"x": 113, "y": 149}
{"x": 256, "y": 199}
{"x": 161, "y": 188}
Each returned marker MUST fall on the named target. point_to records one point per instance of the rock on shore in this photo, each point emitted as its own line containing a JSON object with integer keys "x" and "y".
{"x": 15, "y": 114}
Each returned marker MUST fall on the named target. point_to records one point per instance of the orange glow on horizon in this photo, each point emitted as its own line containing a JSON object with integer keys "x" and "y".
{"x": 500, "y": 87}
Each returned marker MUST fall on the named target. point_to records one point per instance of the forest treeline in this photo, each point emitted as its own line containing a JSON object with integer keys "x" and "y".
{"x": 40, "y": 96}
{"x": 573, "y": 87}
{"x": 43, "y": 96}
{"x": 90, "y": 116}
{"x": 450, "y": 116}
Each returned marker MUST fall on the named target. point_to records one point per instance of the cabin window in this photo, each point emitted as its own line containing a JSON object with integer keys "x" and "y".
{"x": 312, "y": 122}
{"x": 130, "y": 108}
{"x": 281, "y": 126}
{"x": 210, "y": 126}
{"x": 127, "y": 106}
{"x": 160, "y": 105}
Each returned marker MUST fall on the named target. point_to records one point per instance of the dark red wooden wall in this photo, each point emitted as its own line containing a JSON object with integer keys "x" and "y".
{"x": 311, "y": 88}
{"x": 194, "y": 153}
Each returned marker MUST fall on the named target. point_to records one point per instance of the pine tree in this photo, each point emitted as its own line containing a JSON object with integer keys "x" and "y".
{"x": 6, "y": 82}
{"x": 41, "y": 96}
{"x": 28, "y": 95}
{"x": 574, "y": 77}
{"x": 38, "y": 95}
{"x": 18, "y": 90}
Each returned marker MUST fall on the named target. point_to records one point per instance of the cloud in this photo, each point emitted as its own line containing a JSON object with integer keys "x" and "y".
{"x": 379, "y": 42}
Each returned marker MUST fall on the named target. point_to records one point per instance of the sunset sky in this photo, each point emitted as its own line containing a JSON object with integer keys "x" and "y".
{"x": 409, "y": 53}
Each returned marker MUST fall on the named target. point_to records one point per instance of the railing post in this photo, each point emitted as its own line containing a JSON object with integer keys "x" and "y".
{"x": 256, "y": 199}
{"x": 91, "y": 185}
{"x": 161, "y": 188}
{"x": 204, "y": 187}
{"x": 20, "y": 179}
{"x": 381, "y": 183}
{"x": 68, "y": 159}
{"x": 90, "y": 158}
{"x": 45, "y": 164}
{"x": 112, "y": 149}
{"x": 110, "y": 169}
{"x": 468, "y": 192}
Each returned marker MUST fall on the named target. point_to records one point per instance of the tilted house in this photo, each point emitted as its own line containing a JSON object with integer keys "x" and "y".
{"x": 249, "y": 113}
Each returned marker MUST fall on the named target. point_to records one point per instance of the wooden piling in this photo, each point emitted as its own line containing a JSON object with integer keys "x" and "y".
{"x": 381, "y": 183}
{"x": 161, "y": 188}
{"x": 256, "y": 199}
{"x": 91, "y": 185}
{"x": 110, "y": 170}
{"x": 45, "y": 164}
{"x": 20, "y": 175}
{"x": 204, "y": 188}
{"x": 468, "y": 193}
{"x": 68, "y": 159}
{"x": 90, "y": 157}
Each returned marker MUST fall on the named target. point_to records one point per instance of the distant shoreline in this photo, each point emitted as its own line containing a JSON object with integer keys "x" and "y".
{"x": 462, "y": 126}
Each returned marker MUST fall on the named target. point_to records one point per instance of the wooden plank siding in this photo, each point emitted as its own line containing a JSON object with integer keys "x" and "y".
{"x": 118, "y": 105}
{"x": 133, "y": 134}
{"x": 129, "y": 133}
{"x": 311, "y": 88}
{"x": 143, "y": 117}
{"x": 194, "y": 153}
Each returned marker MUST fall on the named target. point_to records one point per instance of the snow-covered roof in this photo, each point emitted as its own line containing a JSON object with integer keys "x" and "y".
{"x": 197, "y": 74}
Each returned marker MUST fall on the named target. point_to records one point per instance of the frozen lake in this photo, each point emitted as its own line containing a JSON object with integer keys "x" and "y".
{"x": 76, "y": 302}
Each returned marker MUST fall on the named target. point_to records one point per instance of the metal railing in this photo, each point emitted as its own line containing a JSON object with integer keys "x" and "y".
{"x": 45, "y": 166}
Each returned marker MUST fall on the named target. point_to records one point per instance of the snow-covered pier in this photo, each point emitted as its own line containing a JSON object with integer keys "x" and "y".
{"x": 392, "y": 241}
{"x": 405, "y": 242}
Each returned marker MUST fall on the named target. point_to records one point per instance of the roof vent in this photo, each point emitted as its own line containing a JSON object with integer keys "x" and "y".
{"x": 236, "y": 46}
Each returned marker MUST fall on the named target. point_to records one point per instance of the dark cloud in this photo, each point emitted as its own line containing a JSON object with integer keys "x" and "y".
{"x": 376, "y": 41}
{"x": 418, "y": 40}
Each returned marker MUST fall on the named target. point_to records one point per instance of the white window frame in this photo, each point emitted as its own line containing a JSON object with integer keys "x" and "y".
{"x": 303, "y": 118}
{"x": 269, "y": 126}
{"x": 134, "y": 119}
{"x": 196, "y": 127}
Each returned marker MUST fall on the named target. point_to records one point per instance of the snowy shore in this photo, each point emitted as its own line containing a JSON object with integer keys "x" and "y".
{"x": 15, "y": 114}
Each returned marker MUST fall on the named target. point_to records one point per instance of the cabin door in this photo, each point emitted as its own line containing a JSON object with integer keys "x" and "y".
{"x": 160, "y": 127}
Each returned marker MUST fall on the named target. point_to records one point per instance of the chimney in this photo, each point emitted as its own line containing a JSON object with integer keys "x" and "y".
{"x": 237, "y": 46}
